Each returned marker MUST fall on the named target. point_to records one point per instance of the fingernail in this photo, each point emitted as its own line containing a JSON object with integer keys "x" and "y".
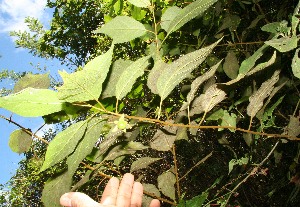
{"x": 65, "y": 200}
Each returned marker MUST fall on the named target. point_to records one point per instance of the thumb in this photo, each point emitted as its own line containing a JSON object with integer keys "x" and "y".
{"x": 76, "y": 199}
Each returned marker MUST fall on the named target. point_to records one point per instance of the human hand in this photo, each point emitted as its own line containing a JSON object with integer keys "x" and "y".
{"x": 126, "y": 194}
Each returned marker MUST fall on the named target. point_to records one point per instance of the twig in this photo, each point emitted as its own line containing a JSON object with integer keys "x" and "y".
{"x": 24, "y": 129}
{"x": 176, "y": 171}
{"x": 253, "y": 171}
{"x": 198, "y": 163}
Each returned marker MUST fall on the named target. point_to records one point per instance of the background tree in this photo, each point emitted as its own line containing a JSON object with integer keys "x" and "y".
{"x": 191, "y": 135}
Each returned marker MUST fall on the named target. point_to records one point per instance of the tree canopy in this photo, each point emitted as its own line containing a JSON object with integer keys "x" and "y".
{"x": 198, "y": 99}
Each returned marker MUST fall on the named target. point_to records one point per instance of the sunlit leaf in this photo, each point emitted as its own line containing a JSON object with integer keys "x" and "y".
{"x": 154, "y": 74}
{"x": 256, "y": 99}
{"x": 129, "y": 76}
{"x": 64, "y": 144}
{"x": 41, "y": 81}
{"x": 32, "y": 102}
{"x": 168, "y": 16}
{"x": 86, "y": 84}
{"x": 283, "y": 44}
{"x": 194, "y": 9}
{"x": 110, "y": 84}
{"x": 19, "y": 141}
{"x": 249, "y": 63}
{"x": 296, "y": 64}
{"x": 205, "y": 102}
{"x": 142, "y": 162}
{"x": 123, "y": 29}
{"x": 231, "y": 65}
{"x": 180, "y": 69}
{"x": 166, "y": 182}
{"x": 140, "y": 3}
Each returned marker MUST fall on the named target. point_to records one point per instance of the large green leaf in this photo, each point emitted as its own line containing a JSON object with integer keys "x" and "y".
{"x": 257, "y": 98}
{"x": 205, "y": 102}
{"x": 163, "y": 140}
{"x": 86, "y": 84}
{"x": 94, "y": 129}
{"x": 180, "y": 69}
{"x": 129, "y": 76}
{"x": 166, "y": 184}
{"x": 142, "y": 162}
{"x": 283, "y": 44}
{"x": 110, "y": 84}
{"x": 231, "y": 65}
{"x": 32, "y": 102}
{"x": 64, "y": 144}
{"x": 20, "y": 141}
{"x": 198, "y": 81}
{"x": 249, "y": 63}
{"x": 155, "y": 72}
{"x": 140, "y": 3}
{"x": 188, "y": 13}
{"x": 54, "y": 188}
{"x": 168, "y": 16}
{"x": 41, "y": 81}
{"x": 123, "y": 29}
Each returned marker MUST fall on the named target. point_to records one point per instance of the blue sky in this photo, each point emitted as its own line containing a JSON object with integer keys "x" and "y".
{"x": 12, "y": 15}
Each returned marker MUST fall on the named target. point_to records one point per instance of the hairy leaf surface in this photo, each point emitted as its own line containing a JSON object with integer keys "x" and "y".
{"x": 32, "y": 102}
{"x": 154, "y": 74}
{"x": 86, "y": 84}
{"x": 163, "y": 140}
{"x": 188, "y": 13}
{"x": 256, "y": 99}
{"x": 205, "y": 102}
{"x": 123, "y": 29}
{"x": 129, "y": 76}
{"x": 201, "y": 79}
{"x": 178, "y": 70}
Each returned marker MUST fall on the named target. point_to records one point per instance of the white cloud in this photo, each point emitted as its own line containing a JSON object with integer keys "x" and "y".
{"x": 13, "y": 13}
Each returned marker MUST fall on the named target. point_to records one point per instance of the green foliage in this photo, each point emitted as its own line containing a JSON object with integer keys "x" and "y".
{"x": 19, "y": 141}
{"x": 147, "y": 103}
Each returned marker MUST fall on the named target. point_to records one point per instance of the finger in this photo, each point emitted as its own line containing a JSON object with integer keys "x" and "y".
{"x": 109, "y": 195}
{"x": 76, "y": 199}
{"x": 125, "y": 189}
{"x": 137, "y": 194}
{"x": 155, "y": 203}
